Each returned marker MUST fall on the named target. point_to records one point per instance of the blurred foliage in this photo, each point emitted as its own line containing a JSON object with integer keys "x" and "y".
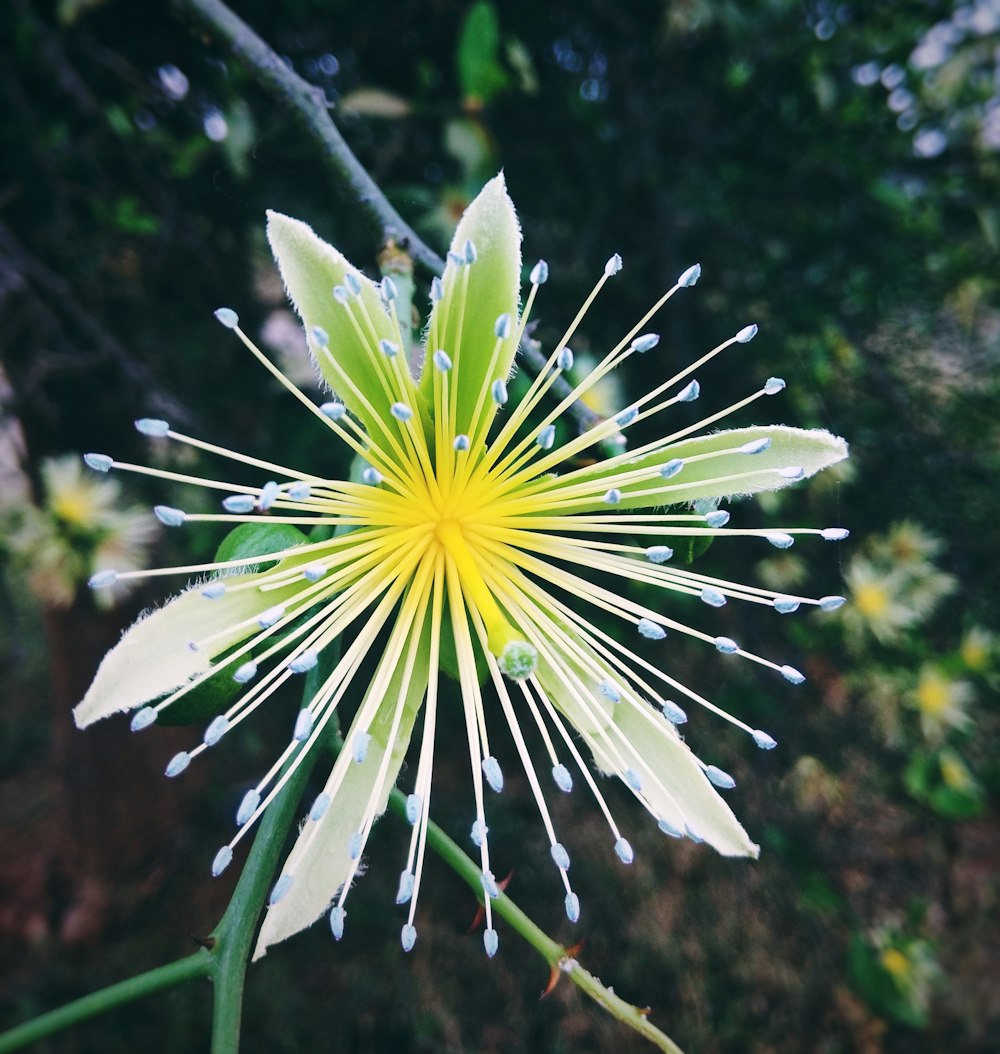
{"x": 834, "y": 167}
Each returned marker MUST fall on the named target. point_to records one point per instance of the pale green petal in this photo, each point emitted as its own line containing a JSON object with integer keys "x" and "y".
{"x": 728, "y": 475}
{"x": 153, "y": 658}
{"x": 673, "y": 782}
{"x": 311, "y": 268}
{"x": 320, "y": 861}
{"x": 463, "y": 321}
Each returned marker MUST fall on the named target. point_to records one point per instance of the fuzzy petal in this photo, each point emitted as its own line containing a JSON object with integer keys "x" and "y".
{"x": 463, "y": 321}
{"x": 320, "y": 860}
{"x": 735, "y": 474}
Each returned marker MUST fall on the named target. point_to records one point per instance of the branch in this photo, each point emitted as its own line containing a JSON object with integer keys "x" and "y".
{"x": 306, "y": 104}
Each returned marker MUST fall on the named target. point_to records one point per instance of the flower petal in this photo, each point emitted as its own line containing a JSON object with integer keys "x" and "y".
{"x": 463, "y": 321}
{"x": 153, "y": 657}
{"x": 673, "y": 786}
{"x": 350, "y": 358}
{"x": 729, "y": 474}
{"x": 320, "y": 860}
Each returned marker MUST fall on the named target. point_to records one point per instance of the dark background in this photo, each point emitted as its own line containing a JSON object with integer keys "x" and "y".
{"x": 834, "y": 167}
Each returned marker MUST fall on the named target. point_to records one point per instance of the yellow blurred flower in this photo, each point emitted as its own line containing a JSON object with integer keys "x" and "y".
{"x": 941, "y": 701}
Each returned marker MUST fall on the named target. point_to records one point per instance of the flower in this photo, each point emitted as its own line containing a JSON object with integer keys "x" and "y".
{"x": 457, "y": 543}
{"x": 941, "y": 701}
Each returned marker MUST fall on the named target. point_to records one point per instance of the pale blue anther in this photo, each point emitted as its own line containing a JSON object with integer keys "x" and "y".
{"x": 613, "y": 496}
{"x": 785, "y": 605}
{"x": 763, "y": 740}
{"x": 755, "y": 446}
{"x": 499, "y": 392}
{"x": 217, "y": 728}
{"x": 401, "y": 411}
{"x": 650, "y": 630}
{"x": 303, "y": 725}
{"x": 314, "y": 572}
{"x": 626, "y": 417}
{"x": 501, "y": 328}
{"x": 266, "y": 619}
{"x": 320, "y": 806}
{"x": 489, "y": 885}
{"x": 831, "y": 603}
{"x": 299, "y": 491}
{"x": 371, "y": 476}
{"x": 689, "y": 392}
{"x": 721, "y": 779}
{"x": 562, "y": 778}
{"x": 248, "y": 806}
{"x": 478, "y": 833}
{"x": 389, "y": 349}
{"x": 493, "y": 774}
{"x": 564, "y": 360}
{"x": 102, "y": 579}
{"x": 337, "y": 916}
{"x": 177, "y": 764}
{"x": 624, "y": 851}
{"x": 340, "y": 294}
{"x": 442, "y": 360}
{"x": 780, "y": 540}
{"x": 239, "y": 503}
{"x": 461, "y": 443}
{"x": 152, "y": 426}
{"x": 335, "y": 410}
{"x": 792, "y": 472}
{"x": 613, "y": 266}
{"x": 712, "y": 597}
{"x": 413, "y": 806}
{"x": 143, "y": 719}
{"x": 632, "y": 778}
{"x": 281, "y": 887}
{"x": 359, "y": 746}
{"x": 726, "y": 645}
{"x": 355, "y": 844}
{"x": 491, "y": 941}
{"x": 671, "y": 468}
{"x": 389, "y": 290}
{"x": 437, "y": 289}
{"x": 305, "y": 661}
{"x": 675, "y": 714}
{"x": 546, "y": 437}
{"x": 320, "y": 336}
{"x": 718, "y": 518}
{"x": 773, "y": 385}
{"x": 98, "y": 462}
{"x": 690, "y": 276}
{"x": 168, "y": 516}
{"x": 645, "y": 342}
{"x": 352, "y": 282}
{"x": 408, "y": 936}
{"x": 539, "y": 273}
{"x": 669, "y": 829}
{"x": 456, "y": 258}
{"x": 214, "y": 590}
{"x": 572, "y": 903}
{"x": 834, "y": 534}
{"x": 746, "y": 334}
{"x": 609, "y": 691}
{"x": 792, "y": 675}
{"x": 405, "y": 890}
{"x": 693, "y": 834}
{"x": 223, "y": 858}
{"x": 245, "y": 672}
{"x": 560, "y": 856}
{"x": 228, "y": 317}
{"x": 659, "y": 554}
{"x": 469, "y": 252}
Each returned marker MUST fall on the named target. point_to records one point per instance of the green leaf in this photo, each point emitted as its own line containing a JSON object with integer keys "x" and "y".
{"x": 480, "y": 74}
{"x": 259, "y": 539}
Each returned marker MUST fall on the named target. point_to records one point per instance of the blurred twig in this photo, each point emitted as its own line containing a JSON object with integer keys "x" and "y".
{"x": 307, "y": 105}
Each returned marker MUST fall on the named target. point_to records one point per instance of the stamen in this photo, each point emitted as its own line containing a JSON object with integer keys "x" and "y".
{"x": 493, "y": 773}
{"x": 659, "y": 554}
{"x": 773, "y": 385}
{"x": 572, "y": 907}
{"x": 763, "y": 740}
{"x": 539, "y": 273}
{"x": 690, "y": 276}
{"x": 337, "y": 917}
{"x": 177, "y": 764}
{"x": 624, "y": 851}
{"x": 564, "y": 360}
{"x": 408, "y": 936}
{"x": 562, "y": 778}
{"x": 673, "y": 713}
{"x": 168, "y": 516}
{"x": 98, "y": 462}
{"x": 746, "y": 334}
{"x": 442, "y": 361}
{"x": 223, "y": 858}
{"x": 102, "y": 579}
{"x": 650, "y": 630}
{"x": 499, "y": 392}
{"x": 613, "y": 266}
{"x": 491, "y": 941}
{"x": 646, "y": 342}
{"x": 151, "y": 426}
{"x": 721, "y": 779}
{"x": 228, "y": 317}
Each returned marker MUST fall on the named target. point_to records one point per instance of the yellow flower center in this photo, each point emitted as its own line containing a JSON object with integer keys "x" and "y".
{"x": 896, "y": 963}
{"x": 933, "y": 695}
{"x": 871, "y": 600}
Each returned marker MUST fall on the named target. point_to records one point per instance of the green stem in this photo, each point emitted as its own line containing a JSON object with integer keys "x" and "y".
{"x": 551, "y": 951}
{"x": 175, "y": 973}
